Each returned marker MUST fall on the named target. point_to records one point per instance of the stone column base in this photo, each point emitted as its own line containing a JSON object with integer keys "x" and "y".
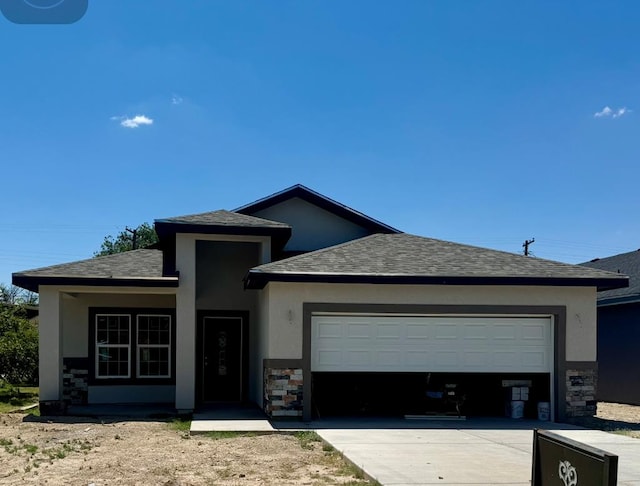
{"x": 282, "y": 392}
{"x": 581, "y": 392}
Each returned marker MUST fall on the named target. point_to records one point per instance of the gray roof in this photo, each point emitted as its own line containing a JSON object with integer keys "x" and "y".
{"x": 223, "y": 217}
{"x": 140, "y": 266}
{"x": 624, "y": 263}
{"x": 427, "y": 260}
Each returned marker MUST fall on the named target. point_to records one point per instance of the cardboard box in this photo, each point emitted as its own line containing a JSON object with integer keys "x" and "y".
{"x": 518, "y": 393}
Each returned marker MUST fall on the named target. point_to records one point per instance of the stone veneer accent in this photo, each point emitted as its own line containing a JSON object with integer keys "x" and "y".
{"x": 283, "y": 392}
{"x": 581, "y": 392}
{"x": 75, "y": 384}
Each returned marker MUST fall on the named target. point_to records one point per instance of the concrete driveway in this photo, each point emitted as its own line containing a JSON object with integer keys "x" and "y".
{"x": 477, "y": 451}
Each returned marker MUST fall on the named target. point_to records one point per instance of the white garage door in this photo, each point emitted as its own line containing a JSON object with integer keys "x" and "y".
{"x": 437, "y": 344}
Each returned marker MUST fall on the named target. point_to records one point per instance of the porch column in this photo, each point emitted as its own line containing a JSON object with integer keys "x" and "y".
{"x": 50, "y": 345}
{"x": 186, "y": 323}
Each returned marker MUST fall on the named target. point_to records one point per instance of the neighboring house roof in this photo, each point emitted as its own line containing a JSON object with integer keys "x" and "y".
{"x": 223, "y": 222}
{"x": 624, "y": 263}
{"x": 410, "y": 259}
{"x": 328, "y": 204}
{"x": 139, "y": 268}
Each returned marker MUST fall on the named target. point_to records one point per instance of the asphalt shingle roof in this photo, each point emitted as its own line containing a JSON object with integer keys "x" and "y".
{"x": 624, "y": 263}
{"x": 223, "y": 217}
{"x": 405, "y": 255}
{"x": 144, "y": 264}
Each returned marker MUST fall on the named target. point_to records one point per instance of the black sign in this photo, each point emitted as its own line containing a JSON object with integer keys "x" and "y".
{"x": 565, "y": 462}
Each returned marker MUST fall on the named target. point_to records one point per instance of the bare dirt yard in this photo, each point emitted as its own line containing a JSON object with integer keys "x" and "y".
{"x": 614, "y": 417}
{"x": 35, "y": 450}
{"x": 75, "y": 451}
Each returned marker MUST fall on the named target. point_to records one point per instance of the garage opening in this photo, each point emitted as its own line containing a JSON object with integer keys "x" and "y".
{"x": 390, "y": 364}
{"x": 399, "y": 394}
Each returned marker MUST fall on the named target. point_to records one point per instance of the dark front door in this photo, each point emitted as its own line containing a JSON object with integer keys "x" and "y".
{"x": 221, "y": 359}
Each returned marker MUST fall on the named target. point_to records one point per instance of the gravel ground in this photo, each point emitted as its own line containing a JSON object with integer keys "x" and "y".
{"x": 34, "y": 450}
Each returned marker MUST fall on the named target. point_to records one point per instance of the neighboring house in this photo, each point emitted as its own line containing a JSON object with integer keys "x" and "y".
{"x": 619, "y": 331}
{"x": 307, "y": 307}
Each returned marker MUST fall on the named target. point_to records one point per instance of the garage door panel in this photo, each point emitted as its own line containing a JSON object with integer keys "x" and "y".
{"x": 438, "y": 344}
{"x": 328, "y": 330}
{"x": 389, "y": 358}
{"x": 359, "y": 358}
{"x": 445, "y": 360}
{"x": 418, "y": 359}
{"x": 359, "y": 330}
{"x": 534, "y": 332}
{"x": 476, "y": 332}
{"x": 534, "y": 359}
{"x": 507, "y": 332}
{"x": 417, "y": 332}
{"x": 445, "y": 331}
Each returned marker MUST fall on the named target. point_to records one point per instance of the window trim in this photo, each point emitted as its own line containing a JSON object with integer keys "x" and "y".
{"x": 111, "y": 346}
{"x": 156, "y": 346}
{"x": 133, "y": 378}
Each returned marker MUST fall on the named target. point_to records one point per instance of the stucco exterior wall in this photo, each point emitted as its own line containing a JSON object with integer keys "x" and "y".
{"x": 262, "y": 349}
{"x": 75, "y": 315}
{"x": 283, "y": 318}
{"x": 312, "y": 226}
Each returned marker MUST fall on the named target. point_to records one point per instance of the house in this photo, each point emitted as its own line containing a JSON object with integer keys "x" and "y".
{"x": 307, "y": 307}
{"x": 619, "y": 331}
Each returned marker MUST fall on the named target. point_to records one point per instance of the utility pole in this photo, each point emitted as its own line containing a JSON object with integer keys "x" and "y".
{"x": 526, "y": 244}
{"x": 134, "y": 237}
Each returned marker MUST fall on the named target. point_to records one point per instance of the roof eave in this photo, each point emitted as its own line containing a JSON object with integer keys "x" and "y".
{"x": 33, "y": 282}
{"x": 258, "y": 280}
{"x": 166, "y": 229}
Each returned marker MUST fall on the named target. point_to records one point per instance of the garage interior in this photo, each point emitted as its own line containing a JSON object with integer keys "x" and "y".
{"x": 378, "y": 394}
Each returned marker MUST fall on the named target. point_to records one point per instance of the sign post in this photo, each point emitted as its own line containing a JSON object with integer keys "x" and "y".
{"x": 565, "y": 462}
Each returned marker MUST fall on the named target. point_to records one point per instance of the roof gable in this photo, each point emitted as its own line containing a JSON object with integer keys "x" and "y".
{"x": 317, "y": 199}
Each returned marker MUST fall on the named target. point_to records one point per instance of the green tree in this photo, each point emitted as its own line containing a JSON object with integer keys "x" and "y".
{"x": 18, "y": 340}
{"x": 144, "y": 235}
{"x": 12, "y": 295}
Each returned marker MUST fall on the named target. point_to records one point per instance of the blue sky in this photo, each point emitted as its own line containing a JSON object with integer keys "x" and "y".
{"x": 482, "y": 122}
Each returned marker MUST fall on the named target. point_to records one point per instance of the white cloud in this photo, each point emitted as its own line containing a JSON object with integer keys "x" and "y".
{"x": 133, "y": 122}
{"x": 608, "y": 112}
{"x": 621, "y": 111}
{"x": 176, "y": 100}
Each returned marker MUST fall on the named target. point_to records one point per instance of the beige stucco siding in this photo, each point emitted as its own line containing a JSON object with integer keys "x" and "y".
{"x": 75, "y": 315}
{"x": 283, "y": 318}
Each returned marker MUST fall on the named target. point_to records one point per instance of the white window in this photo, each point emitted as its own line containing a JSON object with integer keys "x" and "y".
{"x": 154, "y": 346}
{"x": 113, "y": 346}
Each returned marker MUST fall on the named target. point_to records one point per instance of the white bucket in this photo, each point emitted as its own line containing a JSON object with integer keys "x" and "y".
{"x": 544, "y": 411}
{"x": 516, "y": 409}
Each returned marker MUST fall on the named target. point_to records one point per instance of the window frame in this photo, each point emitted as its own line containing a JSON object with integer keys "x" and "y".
{"x": 167, "y": 346}
{"x": 99, "y": 345}
{"x": 133, "y": 378}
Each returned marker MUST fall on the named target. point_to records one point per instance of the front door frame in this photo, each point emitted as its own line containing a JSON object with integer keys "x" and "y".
{"x": 244, "y": 350}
